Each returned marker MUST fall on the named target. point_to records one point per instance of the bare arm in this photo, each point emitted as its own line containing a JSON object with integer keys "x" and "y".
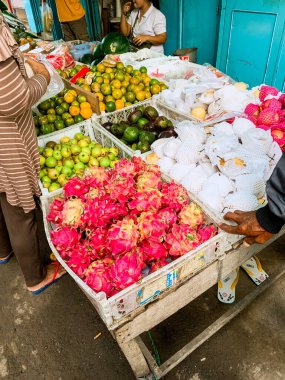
{"x": 124, "y": 25}
{"x": 159, "y": 39}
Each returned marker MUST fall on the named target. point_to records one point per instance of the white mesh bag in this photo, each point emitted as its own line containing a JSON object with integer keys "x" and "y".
{"x": 178, "y": 171}
{"x": 234, "y": 164}
{"x": 224, "y": 184}
{"x": 157, "y": 147}
{"x": 194, "y": 179}
{"x": 211, "y": 198}
{"x": 208, "y": 168}
{"x": 191, "y": 134}
{"x": 165, "y": 164}
{"x": 241, "y": 125}
{"x": 187, "y": 155}
{"x": 240, "y": 200}
{"x": 170, "y": 147}
{"x": 217, "y": 146}
{"x": 251, "y": 183}
{"x": 215, "y": 108}
{"x": 257, "y": 141}
{"x": 274, "y": 154}
{"x": 223, "y": 129}
{"x": 259, "y": 164}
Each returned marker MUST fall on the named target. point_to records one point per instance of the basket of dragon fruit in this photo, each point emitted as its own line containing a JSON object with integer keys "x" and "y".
{"x": 126, "y": 236}
{"x": 133, "y": 129}
{"x": 67, "y": 153}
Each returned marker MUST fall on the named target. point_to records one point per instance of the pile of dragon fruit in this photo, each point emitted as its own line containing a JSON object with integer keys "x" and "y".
{"x": 269, "y": 113}
{"x": 114, "y": 226}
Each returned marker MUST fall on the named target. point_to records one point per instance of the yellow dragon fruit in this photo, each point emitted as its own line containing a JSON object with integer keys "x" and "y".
{"x": 192, "y": 215}
{"x": 72, "y": 212}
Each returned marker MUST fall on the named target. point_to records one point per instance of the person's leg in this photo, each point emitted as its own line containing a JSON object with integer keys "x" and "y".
{"x": 67, "y": 31}
{"x": 79, "y": 28}
{"x": 23, "y": 233}
{"x": 5, "y": 245}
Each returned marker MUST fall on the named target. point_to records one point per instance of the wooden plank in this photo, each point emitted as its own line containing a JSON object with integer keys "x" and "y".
{"x": 135, "y": 357}
{"x": 149, "y": 358}
{"x": 218, "y": 324}
{"x": 172, "y": 302}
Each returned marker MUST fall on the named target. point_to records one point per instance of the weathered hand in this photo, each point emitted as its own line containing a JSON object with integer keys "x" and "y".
{"x": 247, "y": 224}
{"x": 140, "y": 39}
{"x": 38, "y": 68}
{"x": 126, "y": 7}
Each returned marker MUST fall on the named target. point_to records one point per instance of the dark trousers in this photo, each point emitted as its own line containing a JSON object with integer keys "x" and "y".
{"x": 19, "y": 233}
{"x": 75, "y": 30}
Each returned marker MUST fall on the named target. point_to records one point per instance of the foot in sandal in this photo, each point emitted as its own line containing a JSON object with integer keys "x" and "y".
{"x": 54, "y": 273}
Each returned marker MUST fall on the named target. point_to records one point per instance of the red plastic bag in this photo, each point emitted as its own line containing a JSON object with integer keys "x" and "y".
{"x": 61, "y": 59}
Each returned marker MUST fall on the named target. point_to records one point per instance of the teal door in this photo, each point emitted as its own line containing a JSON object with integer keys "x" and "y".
{"x": 251, "y": 41}
{"x": 192, "y": 23}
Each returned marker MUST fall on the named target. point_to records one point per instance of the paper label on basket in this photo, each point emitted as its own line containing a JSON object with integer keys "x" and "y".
{"x": 193, "y": 265}
{"x": 147, "y": 293}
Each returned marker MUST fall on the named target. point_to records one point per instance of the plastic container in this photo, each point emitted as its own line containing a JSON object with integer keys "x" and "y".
{"x": 138, "y": 295}
{"x": 78, "y": 51}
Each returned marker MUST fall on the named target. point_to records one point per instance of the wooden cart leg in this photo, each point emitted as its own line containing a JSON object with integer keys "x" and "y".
{"x": 135, "y": 357}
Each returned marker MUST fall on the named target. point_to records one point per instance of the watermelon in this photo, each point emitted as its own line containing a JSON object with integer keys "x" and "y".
{"x": 115, "y": 43}
{"x": 98, "y": 52}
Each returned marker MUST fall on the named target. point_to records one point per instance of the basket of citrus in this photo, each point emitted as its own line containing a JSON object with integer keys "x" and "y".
{"x": 61, "y": 111}
{"x": 116, "y": 87}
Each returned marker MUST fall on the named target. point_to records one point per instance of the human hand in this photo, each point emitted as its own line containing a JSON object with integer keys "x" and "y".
{"x": 38, "y": 68}
{"x": 247, "y": 224}
{"x": 126, "y": 7}
{"x": 140, "y": 39}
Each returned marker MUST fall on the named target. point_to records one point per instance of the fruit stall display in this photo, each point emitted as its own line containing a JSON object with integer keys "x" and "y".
{"x": 119, "y": 229}
{"x": 67, "y": 154}
{"x": 116, "y": 87}
{"x": 136, "y": 127}
{"x": 268, "y": 113}
{"x": 61, "y": 111}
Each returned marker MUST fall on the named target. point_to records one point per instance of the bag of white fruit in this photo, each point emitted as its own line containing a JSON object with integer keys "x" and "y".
{"x": 234, "y": 164}
{"x": 241, "y": 125}
{"x": 252, "y": 183}
{"x": 171, "y": 146}
{"x": 194, "y": 179}
{"x": 240, "y": 200}
{"x": 165, "y": 164}
{"x": 179, "y": 171}
{"x": 223, "y": 183}
{"x": 157, "y": 147}
{"x": 193, "y": 134}
{"x": 223, "y": 129}
{"x": 217, "y": 146}
{"x": 257, "y": 141}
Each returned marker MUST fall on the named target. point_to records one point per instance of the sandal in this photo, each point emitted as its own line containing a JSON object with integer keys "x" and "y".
{"x": 53, "y": 281}
{"x": 254, "y": 270}
{"x": 7, "y": 259}
{"x": 227, "y": 287}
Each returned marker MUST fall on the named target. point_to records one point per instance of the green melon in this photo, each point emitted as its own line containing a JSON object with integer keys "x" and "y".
{"x": 115, "y": 43}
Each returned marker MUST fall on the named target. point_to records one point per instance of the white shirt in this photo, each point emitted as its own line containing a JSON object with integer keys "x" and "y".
{"x": 152, "y": 23}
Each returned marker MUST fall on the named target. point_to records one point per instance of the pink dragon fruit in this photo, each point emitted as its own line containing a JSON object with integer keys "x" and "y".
{"x": 278, "y": 134}
{"x": 181, "y": 240}
{"x": 145, "y": 201}
{"x": 65, "y": 239}
{"x": 151, "y": 227}
{"x": 252, "y": 109}
{"x": 75, "y": 187}
{"x": 268, "y": 117}
{"x": 282, "y": 100}
{"x": 99, "y": 264}
{"x": 267, "y": 90}
{"x": 121, "y": 187}
{"x": 148, "y": 181}
{"x": 79, "y": 260}
{"x": 126, "y": 271}
{"x": 264, "y": 127}
{"x": 95, "y": 192}
{"x": 122, "y": 236}
{"x": 174, "y": 196}
{"x": 192, "y": 215}
{"x": 205, "y": 233}
{"x": 55, "y": 213}
{"x": 271, "y": 103}
{"x": 72, "y": 212}
{"x": 140, "y": 165}
{"x": 97, "y": 242}
{"x": 253, "y": 119}
{"x": 100, "y": 281}
{"x": 125, "y": 167}
{"x": 96, "y": 176}
{"x": 153, "y": 250}
{"x": 155, "y": 265}
{"x": 167, "y": 216}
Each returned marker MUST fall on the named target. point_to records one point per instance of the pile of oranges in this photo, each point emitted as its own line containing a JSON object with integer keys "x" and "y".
{"x": 78, "y": 104}
{"x": 117, "y": 87}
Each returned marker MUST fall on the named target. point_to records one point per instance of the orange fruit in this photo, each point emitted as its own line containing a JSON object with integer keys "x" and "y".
{"x": 136, "y": 89}
{"x": 155, "y": 89}
{"x": 130, "y": 88}
{"x": 85, "y": 105}
{"x": 120, "y": 76}
{"x": 125, "y": 83}
{"x": 86, "y": 113}
{"x": 119, "y": 104}
{"x": 112, "y": 76}
{"x": 134, "y": 81}
{"x": 108, "y": 70}
{"x": 137, "y": 73}
{"x": 86, "y": 87}
{"x": 73, "y": 92}
{"x": 116, "y": 83}
{"x": 163, "y": 87}
{"x": 69, "y": 97}
{"x": 99, "y": 80}
{"x": 127, "y": 104}
{"x": 120, "y": 66}
{"x": 124, "y": 90}
{"x": 109, "y": 98}
{"x": 106, "y": 81}
{"x": 95, "y": 87}
{"x": 74, "y": 110}
{"x": 130, "y": 97}
{"x": 147, "y": 94}
{"x": 101, "y": 68}
{"x": 141, "y": 86}
{"x": 146, "y": 80}
{"x": 102, "y": 106}
{"x": 117, "y": 94}
{"x": 106, "y": 89}
{"x": 100, "y": 96}
{"x": 129, "y": 69}
{"x": 106, "y": 76}
{"x": 140, "y": 96}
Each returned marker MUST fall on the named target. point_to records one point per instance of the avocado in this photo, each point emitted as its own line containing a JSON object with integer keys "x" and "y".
{"x": 141, "y": 108}
{"x": 147, "y": 137}
{"x": 161, "y": 122}
{"x": 150, "y": 127}
{"x": 135, "y": 116}
{"x": 118, "y": 129}
{"x": 169, "y": 132}
{"x": 143, "y": 146}
{"x": 150, "y": 113}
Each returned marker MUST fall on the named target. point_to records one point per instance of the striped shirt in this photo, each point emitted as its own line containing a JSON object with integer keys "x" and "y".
{"x": 19, "y": 157}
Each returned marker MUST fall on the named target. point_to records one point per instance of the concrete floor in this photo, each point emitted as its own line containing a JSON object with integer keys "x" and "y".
{"x": 51, "y": 336}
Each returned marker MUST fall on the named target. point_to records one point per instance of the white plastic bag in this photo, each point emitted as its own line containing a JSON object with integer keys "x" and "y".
{"x": 47, "y": 17}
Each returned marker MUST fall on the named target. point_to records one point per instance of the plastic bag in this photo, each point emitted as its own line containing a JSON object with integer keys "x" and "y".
{"x": 47, "y": 17}
{"x": 61, "y": 58}
{"x": 56, "y": 84}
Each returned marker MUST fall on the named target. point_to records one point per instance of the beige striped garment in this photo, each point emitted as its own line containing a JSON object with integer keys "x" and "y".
{"x": 19, "y": 157}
